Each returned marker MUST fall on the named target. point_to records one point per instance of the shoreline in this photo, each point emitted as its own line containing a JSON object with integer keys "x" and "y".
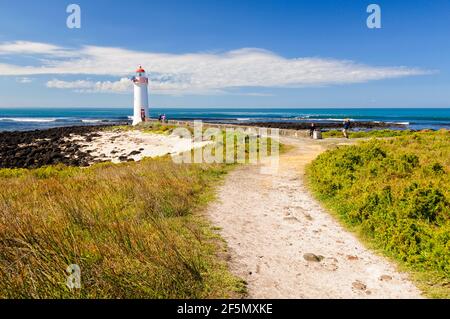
{"x": 36, "y": 148}
{"x": 83, "y": 146}
{"x": 326, "y": 125}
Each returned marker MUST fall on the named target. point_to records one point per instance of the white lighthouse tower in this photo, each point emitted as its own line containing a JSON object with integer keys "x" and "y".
{"x": 140, "y": 82}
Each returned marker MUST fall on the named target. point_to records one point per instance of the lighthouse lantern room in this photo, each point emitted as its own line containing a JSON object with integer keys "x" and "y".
{"x": 140, "y": 81}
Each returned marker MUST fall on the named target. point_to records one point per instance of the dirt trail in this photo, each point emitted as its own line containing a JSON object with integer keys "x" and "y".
{"x": 284, "y": 245}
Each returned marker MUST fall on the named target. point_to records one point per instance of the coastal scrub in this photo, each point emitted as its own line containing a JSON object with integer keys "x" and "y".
{"x": 396, "y": 194}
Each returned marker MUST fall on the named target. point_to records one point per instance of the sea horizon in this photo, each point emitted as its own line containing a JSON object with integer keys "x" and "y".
{"x": 31, "y": 118}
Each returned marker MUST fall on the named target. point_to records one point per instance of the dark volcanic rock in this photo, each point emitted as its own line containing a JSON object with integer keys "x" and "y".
{"x": 37, "y": 148}
{"x": 134, "y": 153}
{"x": 328, "y": 125}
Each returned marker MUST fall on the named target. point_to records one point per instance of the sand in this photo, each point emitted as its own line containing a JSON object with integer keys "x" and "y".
{"x": 119, "y": 146}
{"x": 285, "y": 245}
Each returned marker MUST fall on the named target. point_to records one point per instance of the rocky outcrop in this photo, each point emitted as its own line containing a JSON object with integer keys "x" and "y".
{"x": 32, "y": 149}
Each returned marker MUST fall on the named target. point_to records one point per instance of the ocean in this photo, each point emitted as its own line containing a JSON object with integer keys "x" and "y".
{"x": 20, "y": 119}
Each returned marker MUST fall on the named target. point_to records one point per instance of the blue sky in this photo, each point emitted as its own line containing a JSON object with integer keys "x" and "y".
{"x": 226, "y": 53}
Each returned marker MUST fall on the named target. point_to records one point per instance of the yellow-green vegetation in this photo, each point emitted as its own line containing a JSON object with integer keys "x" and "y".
{"x": 148, "y": 127}
{"x": 243, "y": 147}
{"x": 396, "y": 194}
{"x": 365, "y": 134}
{"x": 241, "y": 142}
{"x": 134, "y": 229}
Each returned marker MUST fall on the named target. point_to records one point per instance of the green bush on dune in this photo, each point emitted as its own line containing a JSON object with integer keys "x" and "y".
{"x": 396, "y": 193}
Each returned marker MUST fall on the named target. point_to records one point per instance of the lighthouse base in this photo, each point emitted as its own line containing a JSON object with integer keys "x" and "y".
{"x": 140, "y": 115}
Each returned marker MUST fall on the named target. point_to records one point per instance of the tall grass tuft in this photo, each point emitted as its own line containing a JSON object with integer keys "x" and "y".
{"x": 130, "y": 227}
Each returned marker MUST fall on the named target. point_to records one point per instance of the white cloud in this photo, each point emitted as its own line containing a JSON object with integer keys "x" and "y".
{"x": 80, "y": 84}
{"x": 193, "y": 73}
{"x": 24, "y": 80}
{"x": 33, "y": 48}
{"x": 258, "y": 94}
{"x": 121, "y": 86}
{"x": 124, "y": 85}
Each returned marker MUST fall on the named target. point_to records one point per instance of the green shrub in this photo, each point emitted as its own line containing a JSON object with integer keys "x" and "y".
{"x": 396, "y": 193}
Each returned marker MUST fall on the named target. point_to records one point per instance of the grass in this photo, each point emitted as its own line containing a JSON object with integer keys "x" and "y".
{"x": 132, "y": 229}
{"x": 261, "y": 145}
{"x": 395, "y": 193}
{"x": 368, "y": 134}
{"x": 150, "y": 127}
{"x": 135, "y": 229}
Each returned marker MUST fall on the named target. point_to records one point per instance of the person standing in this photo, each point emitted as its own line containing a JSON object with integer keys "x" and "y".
{"x": 312, "y": 129}
{"x": 346, "y": 128}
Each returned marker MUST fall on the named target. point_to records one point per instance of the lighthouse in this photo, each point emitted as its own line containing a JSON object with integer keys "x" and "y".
{"x": 140, "y": 82}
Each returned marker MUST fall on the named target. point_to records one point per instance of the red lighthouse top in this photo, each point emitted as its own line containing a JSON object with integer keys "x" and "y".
{"x": 140, "y": 70}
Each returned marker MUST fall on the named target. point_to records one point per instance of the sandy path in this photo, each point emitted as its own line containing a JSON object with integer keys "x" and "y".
{"x": 270, "y": 222}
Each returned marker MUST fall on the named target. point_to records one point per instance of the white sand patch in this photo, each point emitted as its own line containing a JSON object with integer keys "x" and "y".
{"x": 115, "y": 146}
